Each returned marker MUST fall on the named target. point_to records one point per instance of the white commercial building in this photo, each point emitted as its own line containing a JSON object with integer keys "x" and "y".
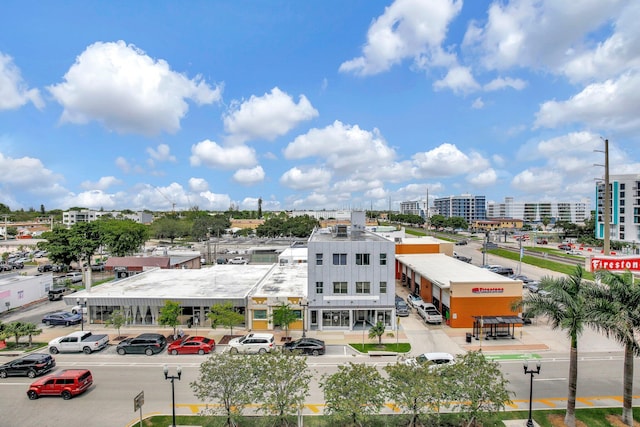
{"x": 351, "y": 277}
{"x": 86, "y": 215}
{"x": 17, "y": 290}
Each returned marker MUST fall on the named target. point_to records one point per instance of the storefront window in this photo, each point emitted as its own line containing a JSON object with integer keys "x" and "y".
{"x": 336, "y": 318}
{"x": 259, "y": 314}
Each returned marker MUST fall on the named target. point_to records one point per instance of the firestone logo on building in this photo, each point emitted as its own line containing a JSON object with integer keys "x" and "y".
{"x": 487, "y": 290}
{"x": 615, "y": 264}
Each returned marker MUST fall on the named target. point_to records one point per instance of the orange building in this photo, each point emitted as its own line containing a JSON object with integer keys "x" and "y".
{"x": 461, "y": 291}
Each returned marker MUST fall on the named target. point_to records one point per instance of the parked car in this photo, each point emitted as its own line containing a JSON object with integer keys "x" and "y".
{"x": 414, "y": 301}
{"x": 31, "y": 366}
{"x": 429, "y": 313}
{"x": 192, "y": 345}
{"x": 221, "y": 261}
{"x": 435, "y": 359}
{"x": 83, "y": 341}
{"x": 461, "y": 242}
{"x": 533, "y": 287}
{"x": 99, "y": 266}
{"x": 5, "y": 266}
{"x": 148, "y": 344}
{"x": 238, "y": 260}
{"x": 524, "y": 279}
{"x": 402, "y": 309}
{"x": 62, "y": 318}
{"x": 252, "y": 343}
{"x": 66, "y": 383}
{"x": 306, "y": 345}
{"x": 573, "y": 252}
{"x": 16, "y": 265}
{"x": 504, "y": 271}
{"x": 565, "y": 247}
{"x": 43, "y": 268}
{"x": 56, "y": 293}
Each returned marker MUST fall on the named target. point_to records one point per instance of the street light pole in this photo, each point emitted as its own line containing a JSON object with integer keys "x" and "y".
{"x": 304, "y": 304}
{"x": 173, "y": 389}
{"x": 82, "y": 306}
{"x": 531, "y": 372}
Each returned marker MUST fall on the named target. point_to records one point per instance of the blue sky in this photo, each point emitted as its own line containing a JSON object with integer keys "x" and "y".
{"x": 313, "y": 104}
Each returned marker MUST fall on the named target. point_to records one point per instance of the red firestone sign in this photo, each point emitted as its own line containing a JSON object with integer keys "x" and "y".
{"x": 615, "y": 263}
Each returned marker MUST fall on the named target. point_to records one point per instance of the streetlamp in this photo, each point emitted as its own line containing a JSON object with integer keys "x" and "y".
{"x": 173, "y": 390}
{"x": 531, "y": 372}
{"x": 304, "y": 304}
{"x": 82, "y": 308}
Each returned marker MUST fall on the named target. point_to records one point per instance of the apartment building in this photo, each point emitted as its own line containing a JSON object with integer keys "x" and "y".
{"x": 536, "y": 211}
{"x": 625, "y": 208}
{"x": 71, "y": 217}
{"x": 466, "y": 206}
{"x": 351, "y": 281}
{"x": 415, "y": 207}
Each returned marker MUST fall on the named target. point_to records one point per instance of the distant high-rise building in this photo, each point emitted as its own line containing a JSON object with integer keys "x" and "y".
{"x": 625, "y": 208}
{"x": 466, "y": 206}
{"x": 415, "y": 207}
{"x": 575, "y": 212}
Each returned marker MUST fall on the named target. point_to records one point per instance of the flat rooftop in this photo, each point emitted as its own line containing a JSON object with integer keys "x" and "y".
{"x": 326, "y": 235}
{"x": 443, "y": 270}
{"x": 283, "y": 281}
{"x": 225, "y": 281}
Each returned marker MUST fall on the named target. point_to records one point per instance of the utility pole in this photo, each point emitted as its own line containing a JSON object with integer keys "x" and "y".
{"x": 607, "y": 201}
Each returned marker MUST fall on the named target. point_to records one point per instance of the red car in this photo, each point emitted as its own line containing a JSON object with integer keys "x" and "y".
{"x": 67, "y": 383}
{"x": 192, "y": 345}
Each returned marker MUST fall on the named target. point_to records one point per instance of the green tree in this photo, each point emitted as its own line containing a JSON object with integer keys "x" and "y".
{"x": 30, "y": 330}
{"x": 228, "y": 382}
{"x": 284, "y": 316}
{"x": 353, "y": 393}
{"x": 417, "y": 390}
{"x": 170, "y": 227}
{"x": 283, "y": 379}
{"x": 170, "y": 315}
{"x": 224, "y": 315}
{"x": 376, "y": 331}
{"x": 565, "y": 308}
{"x": 614, "y": 308}
{"x": 17, "y": 330}
{"x": 438, "y": 221}
{"x": 477, "y": 387}
{"x": 123, "y": 237}
{"x": 58, "y": 245}
{"x": 117, "y": 319}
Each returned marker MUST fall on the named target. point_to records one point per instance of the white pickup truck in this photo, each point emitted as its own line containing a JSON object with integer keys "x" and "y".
{"x": 429, "y": 313}
{"x": 83, "y": 341}
{"x": 238, "y": 260}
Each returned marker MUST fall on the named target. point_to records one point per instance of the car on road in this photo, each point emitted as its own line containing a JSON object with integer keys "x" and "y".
{"x": 436, "y": 359}
{"x": 66, "y": 383}
{"x": 192, "y": 345}
{"x": 31, "y": 366}
{"x": 414, "y": 301}
{"x": 573, "y": 252}
{"x": 238, "y": 260}
{"x": 148, "y": 343}
{"x": 461, "y": 242}
{"x": 565, "y": 247}
{"x": 56, "y": 293}
{"x": 311, "y": 346}
{"x": 63, "y": 318}
{"x": 524, "y": 279}
{"x": 252, "y": 343}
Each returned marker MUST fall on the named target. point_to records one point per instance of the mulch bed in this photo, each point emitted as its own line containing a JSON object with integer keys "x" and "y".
{"x": 226, "y": 338}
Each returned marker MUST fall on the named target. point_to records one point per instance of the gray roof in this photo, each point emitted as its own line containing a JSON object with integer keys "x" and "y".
{"x": 286, "y": 280}
{"x": 215, "y": 282}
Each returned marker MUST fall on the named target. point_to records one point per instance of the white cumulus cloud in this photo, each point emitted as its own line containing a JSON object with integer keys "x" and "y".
{"x": 198, "y": 184}
{"x": 14, "y": 92}
{"x": 249, "y": 176}
{"x": 266, "y": 117}
{"x": 119, "y": 86}
{"x": 447, "y": 160}
{"x": 408, "y": 29}
{"x": 161, "y": 154}
{"x": 102, "y": 184}
{"x": 305, "y": 179}
{"x": 212, "y": 155}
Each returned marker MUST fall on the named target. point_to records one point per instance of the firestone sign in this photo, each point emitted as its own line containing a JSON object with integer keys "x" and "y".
{"x": 487, "y": 290}
{"x": 615, "y": 264}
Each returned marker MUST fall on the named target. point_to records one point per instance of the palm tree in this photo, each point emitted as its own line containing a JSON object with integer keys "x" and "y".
{"x": 564, "y": 306}
{"x": 377, "y": 331}
{"x": 614, "y": 308}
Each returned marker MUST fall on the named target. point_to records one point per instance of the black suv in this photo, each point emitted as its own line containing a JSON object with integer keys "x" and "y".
{"x": 30, "y": 366}
{"x": 148, "y": 344}
{"x": 43, "y": 268}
